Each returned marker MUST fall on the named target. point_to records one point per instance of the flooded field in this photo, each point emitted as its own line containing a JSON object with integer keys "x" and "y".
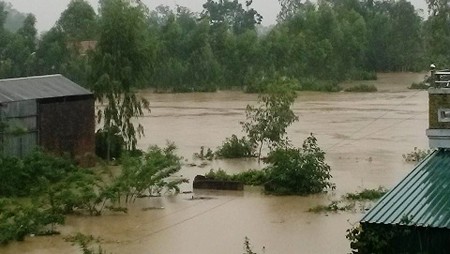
{"x": 363, "y": 134}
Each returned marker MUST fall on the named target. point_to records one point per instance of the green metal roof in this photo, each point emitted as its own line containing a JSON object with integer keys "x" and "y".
{"x": 422, "y": 198}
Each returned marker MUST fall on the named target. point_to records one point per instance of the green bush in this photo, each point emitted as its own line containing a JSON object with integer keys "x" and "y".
{"x": 249, "y": 177}
{"x": 18, "y": 220}
{"x": 147, "y": 175}
{"x": 362, "y": 88}
{"x": 22, "y": 177}
{"x": 234, "y": 147}
{"x": 299, "y": 171}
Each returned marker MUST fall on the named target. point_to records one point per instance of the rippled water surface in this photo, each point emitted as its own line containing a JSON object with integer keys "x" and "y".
{"x": 363, "y": 134}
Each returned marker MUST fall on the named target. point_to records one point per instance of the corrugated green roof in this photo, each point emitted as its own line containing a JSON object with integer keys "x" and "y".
{"x": 421, "y": 199}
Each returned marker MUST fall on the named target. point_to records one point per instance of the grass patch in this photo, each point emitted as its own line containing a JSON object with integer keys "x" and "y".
{"x": 367, "y": 194}
{"x": 362, "y": 88}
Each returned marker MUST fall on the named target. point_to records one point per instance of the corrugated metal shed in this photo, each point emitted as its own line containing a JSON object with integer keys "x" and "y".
{"x": 40, "y": 87}
{"x": 422, "y": 199}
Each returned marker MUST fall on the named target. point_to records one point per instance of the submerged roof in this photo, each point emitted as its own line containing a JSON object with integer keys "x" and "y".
{"x": 40, "y": 87}
{"x": 421, "y": 199}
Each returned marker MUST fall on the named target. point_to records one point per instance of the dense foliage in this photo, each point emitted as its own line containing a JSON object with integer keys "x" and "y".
{"x": 51, "y": 187}
{"x": 249, "y": 177}
{"x": 298, "y": 171}
{"x": 316, "y": 44}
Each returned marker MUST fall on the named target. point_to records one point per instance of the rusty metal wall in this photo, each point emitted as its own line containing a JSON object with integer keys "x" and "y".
{"x": 67, "y": 125}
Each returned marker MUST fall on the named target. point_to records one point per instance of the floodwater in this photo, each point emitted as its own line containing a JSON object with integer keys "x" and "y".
{"x": 363, "y": 134}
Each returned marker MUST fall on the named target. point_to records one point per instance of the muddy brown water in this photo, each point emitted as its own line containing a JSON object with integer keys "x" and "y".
{"x": 363, "y": 134}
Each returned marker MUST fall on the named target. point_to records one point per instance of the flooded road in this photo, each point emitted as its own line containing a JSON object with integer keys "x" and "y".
{"x": 363, "y": 135}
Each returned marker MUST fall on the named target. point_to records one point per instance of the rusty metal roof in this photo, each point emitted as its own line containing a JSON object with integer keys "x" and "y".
{"x": 40, "y": 87}
{"x": 421, "y": 199}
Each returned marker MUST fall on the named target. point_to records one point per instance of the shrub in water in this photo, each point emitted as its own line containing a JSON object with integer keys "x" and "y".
{"x": 234, "y": 147}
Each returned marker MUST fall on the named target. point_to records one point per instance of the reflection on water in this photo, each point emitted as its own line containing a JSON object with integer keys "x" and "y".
{"x": 364, "y": 136}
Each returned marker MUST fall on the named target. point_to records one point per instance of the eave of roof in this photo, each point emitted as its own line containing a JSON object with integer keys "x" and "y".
{"x": 421, "y": 199}
{"x": 39, "y": 87}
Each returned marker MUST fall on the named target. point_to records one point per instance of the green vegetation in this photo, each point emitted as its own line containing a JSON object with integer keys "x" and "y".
{"x": 50, "y": 188}
{"x": 416, "y": 155}
{"x": 362, "y": 88}
{"x": 85, "y": 242}
{"x": 266, "y": 123}
{"x": 367, "y": 194}
{"x": 348, "y": 201}
{"x": 234, "y": 147}
{"x": 249, "y": 177}
{"x": 316, "y": 45}
{"x": 298, "y": 171}
{"x": 334, "y": 206}
{"x": 291, "y": 171}
{"x": 118, "y": 65}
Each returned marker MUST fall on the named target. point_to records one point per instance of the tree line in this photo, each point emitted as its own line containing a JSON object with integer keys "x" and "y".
{"x": 224, "y": 46}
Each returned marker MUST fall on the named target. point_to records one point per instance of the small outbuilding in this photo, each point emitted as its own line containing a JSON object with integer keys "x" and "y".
{"x": 50, "y": 112}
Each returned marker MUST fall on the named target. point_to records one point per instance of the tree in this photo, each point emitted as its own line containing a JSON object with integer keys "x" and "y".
{"x": 78, "y": 22}
{"x": 118, "y": 64}
{"x": 289, "y": 8}
{"x": 232, "y": 15}
{"x": 267, "y": 122}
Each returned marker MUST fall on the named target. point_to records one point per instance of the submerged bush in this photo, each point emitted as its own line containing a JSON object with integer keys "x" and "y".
{"x": 234, "y": 147}
{"x": 367, "y": 194}
{"x": 334, "y": 206}
{"x": 298, "y": 171}
{"x": 416, "y": 155}
{"x": 249, "y": 177}
{"x": 19, "y": 220}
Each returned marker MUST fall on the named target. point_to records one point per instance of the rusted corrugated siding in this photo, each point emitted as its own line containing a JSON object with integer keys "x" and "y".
{"x": 67, "y": 125}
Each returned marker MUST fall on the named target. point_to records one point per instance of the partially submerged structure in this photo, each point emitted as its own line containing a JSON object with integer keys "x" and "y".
{"x": 414, "y": 217}
{"x": 51, "y": 112}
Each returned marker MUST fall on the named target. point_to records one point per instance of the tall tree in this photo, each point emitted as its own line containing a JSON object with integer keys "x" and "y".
{"x": 79, "y": 21}
{"x": 118, "y": 65}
